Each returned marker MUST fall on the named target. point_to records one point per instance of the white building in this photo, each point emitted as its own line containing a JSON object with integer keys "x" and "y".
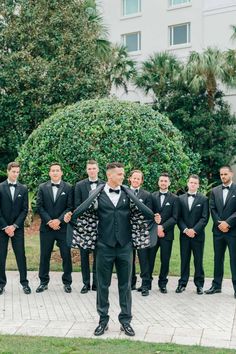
{"x": 178, "y": 26}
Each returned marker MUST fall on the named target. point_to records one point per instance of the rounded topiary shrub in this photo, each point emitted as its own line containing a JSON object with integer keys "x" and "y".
{"x": 107, "y": 130}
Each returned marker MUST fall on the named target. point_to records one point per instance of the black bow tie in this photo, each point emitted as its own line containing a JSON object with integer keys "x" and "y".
{"x": 225, "y": 187}
{"x": 160, "y": 193}
{"x": 55, "y": 185}
{"x": 91, "y": 182}
{"x": 12, "y": 185}
{"x": 114, "y": 190}
{"x": 191, "y": 195}
{"x": 135, "y": 191}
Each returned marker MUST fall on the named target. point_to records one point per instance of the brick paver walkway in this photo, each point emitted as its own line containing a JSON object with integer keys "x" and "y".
{"x": 186, "y": 318}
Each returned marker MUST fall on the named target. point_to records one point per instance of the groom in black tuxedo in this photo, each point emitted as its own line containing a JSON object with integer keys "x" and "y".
{"x": 13, "y": 211}
{"x": 193, "y": 218}
{"x": 81, "y": 193}
{"x": 54, "y": 200}
{"x": 223, "y": 211}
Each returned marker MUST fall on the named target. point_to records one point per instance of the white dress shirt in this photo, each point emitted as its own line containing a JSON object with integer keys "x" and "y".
{"x": 114, "y": 197}
{"x": 12, "y": 189}
{"x": 225, "y": 192}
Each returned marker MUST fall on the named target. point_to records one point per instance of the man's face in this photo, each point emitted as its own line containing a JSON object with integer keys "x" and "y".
{"x": 136, "y": 180}
{"x": 55, "y": 173}
{"x": 13, "y": 174}
{"x": 116, "y": 176}
{"x": 164, "y": 183}
{"x": 193, "y": 185}
{"x": 226, "y": 176}
{"x": 92, "y": 171}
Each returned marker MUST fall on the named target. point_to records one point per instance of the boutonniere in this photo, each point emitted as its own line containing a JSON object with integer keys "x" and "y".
{"x": 167, "y": 203}
{"x": 141, "y": 200}
{"x": 124, "y": 200}
{"x": 19, "y": 195}
{"x": 63, "y": 193}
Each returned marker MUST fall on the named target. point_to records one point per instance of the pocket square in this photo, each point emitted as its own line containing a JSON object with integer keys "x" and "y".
{"x": 19, "y": 195}
{"x": 167, "y": 203}
{"x": 233, "y": 196}
{"x": 198, "y": 205}
{"x": 63, "y": 193}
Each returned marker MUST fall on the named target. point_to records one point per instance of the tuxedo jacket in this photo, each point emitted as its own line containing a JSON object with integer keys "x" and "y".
{"x": 221, "y": 212}
{"x": 49, "y": 209}
{"x": 98, "y": 219}
{"x": 196, "y": 218}
{"x": 13, "y": 211}
{"x": 145, "y": 197}
{"x": 82, "y": 190}
{"x": 168, "y": 212}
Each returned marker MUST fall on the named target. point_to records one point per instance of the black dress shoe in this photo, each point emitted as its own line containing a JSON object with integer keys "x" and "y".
{"x": 180, "y": 289}
{"x": 85, "y": 289}
{"x": 1, "y": 290}
{"x": 199, "y": 290}
{"x": 27, "y": 289}
{"x": 94, "y": 287}
{"x": 41, "y": 288}
{"x": 125, "y": 327}
{"x": 100, "y": 329}
{"x": 212, "y": 290}
{"x": 163, "y": 290}
{"x": 145, "y": 292}
{"x": 67, "y": 288}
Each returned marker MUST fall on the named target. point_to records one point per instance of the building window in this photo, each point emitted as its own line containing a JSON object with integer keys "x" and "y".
{"x": 179, "y": 34}
{"x": 178, "y": 2}
{"x": 132, "y": 41}
{"x": 131, "y": 7}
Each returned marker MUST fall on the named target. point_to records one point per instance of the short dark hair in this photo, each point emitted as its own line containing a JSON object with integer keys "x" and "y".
{"x": 136, "y": 171}
{"x": 164, "y": 174}
{"x": 55, "y": 164}
{"x": 91, "y": 162}
{"x": 12, "y": 165}
{"x": 112, "y": 165}
{"x": 194, "y": 176}
{"x": 226, "y": 166}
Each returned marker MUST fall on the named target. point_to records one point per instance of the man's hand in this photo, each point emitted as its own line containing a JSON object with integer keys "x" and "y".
{"x": 190, "y": 233}
{"x": 223, "y": 226}
{"x": 157, "y": 218}
{"x": 9, "y": 230}
{"x": 54, "y": 224}
{"x": 160, "y": 231}
{"x": 67, "y": 217}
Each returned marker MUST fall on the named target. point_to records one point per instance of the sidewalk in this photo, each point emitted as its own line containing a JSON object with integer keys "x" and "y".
{"x": 187, "y": 318}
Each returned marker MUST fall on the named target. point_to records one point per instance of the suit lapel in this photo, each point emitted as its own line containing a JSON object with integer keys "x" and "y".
{"x": 185, "y": 198}
{"x": 167, "y": 196}
{"x": 49, "y": 186}
{"x": 7, "y": 189}
{"x": 87, "y": 185}
{"x": 219, "y": 199}
{"x": 195, "y": 201}
{"x": 230, "y": 193}
{"x": 59, "y": 190}
{"x": 17, "y": 190}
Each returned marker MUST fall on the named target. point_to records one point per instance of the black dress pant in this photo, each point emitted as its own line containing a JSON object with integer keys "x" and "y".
{"x": 18, "y": 245}
{"x": 220, "y": 244}
{"x": 85, "y": 266}
{"x": 47, "y": 240}
{"x": 122, "y": 258}
{"x": 134, "y": 277}
{"x": 165, "y": 246}
{"x": 187, "y": 246}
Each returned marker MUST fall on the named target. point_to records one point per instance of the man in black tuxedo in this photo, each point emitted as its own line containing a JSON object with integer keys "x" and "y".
{"x": 164, "y": 204}
{"x": 54, "y": 200}
{"x": 136, "y": 180}
{"x": 193, "y": 218}
{"x": 223, "y": 211}
{"x": 82, "y": 189}
{"x": 13, "y": 211}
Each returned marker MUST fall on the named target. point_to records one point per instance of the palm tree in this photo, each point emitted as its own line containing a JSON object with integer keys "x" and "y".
{"x": 233, "y": 37}
{"x": 159, "y": 73}
{"x": 204, "y": 70}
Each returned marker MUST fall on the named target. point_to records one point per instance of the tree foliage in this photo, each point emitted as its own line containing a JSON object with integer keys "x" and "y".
{"x": 107, "y": 130}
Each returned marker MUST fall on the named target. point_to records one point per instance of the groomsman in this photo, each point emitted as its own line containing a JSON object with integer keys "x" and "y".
{"x": 82, "y": 189}
{"x": 136, "y": 180}
{"x": 164, "y": 203}
{"x": 54, "y": 200}
{"x": 223, "y": 211}
{"x": 193, "y": 218}
{"x": 13, "y": 211}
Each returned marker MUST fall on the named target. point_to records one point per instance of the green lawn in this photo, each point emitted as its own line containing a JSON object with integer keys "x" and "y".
{"x": 32, "y": 253}
{"x": 33, "y": 345}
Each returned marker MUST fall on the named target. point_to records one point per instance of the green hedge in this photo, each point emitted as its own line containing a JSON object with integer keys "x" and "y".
{"x": 107, "y": 130}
